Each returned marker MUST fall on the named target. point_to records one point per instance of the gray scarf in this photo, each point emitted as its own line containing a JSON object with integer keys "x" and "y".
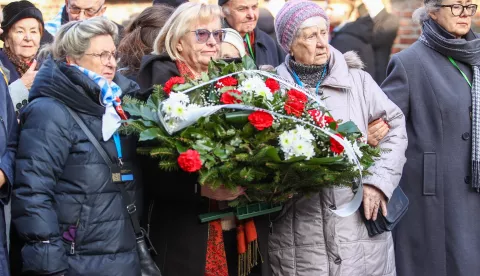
{"x": 466, "y": 50}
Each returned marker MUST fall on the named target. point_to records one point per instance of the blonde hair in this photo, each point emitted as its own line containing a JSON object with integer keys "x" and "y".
{"x": 73, "y": 38}
{"x": 179, "y": 23}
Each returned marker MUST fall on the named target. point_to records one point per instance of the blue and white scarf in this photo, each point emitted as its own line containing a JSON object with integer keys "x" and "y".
{"x": 54, "y": 25}
{"x": 110, "y": 97}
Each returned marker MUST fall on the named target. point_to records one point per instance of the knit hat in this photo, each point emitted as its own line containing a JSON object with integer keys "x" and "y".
{"x": 16, "y": 11}
{"x": 234, "y": 38}
{"x": 290, "y": 18}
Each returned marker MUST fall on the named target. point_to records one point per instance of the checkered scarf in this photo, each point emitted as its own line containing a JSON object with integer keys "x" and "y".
{"x": 467, "y": 51}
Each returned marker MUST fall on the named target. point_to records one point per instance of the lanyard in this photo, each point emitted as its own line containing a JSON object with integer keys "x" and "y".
{"x": 463, "y": 74}
{"x": 299, "y": 82}
{"x": 118, "y": 145}
{"x": 247, "y": 38}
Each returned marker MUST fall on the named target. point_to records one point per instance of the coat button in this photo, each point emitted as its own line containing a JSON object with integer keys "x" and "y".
{"x": 332, "y": 207}
{"x": 338, "y": 261}
{"x": 466, "y": 136}
{"x": 467, "y": 179}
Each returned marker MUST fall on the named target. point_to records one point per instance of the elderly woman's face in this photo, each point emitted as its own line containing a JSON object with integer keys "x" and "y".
{"x": 23, "y": 38}
{"x": 99, "y": 57}
{"x": 456, "y": 25}
{"x": 229, "y": 51}
{"x": 310, "y": 47}
{"x": 196, "y": 52}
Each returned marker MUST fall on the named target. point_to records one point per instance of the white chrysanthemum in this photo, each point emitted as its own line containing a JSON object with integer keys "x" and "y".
{"x": 303, "y": 133}
{"x": 286, "y": 141}
{"x": 264, "y": 91}
{"x": 167, "y": 108}
{"x": 252, "y": 84}
{"x": 301, "y": 147}
{"x": 179, "y": 111}
{"x": 178, "y": 98}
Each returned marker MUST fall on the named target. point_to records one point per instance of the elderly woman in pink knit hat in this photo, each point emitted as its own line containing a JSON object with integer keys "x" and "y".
{"x": 307, "y": 238}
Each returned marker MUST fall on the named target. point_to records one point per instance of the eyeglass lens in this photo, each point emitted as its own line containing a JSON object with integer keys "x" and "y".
{"x": 203, "y": 35}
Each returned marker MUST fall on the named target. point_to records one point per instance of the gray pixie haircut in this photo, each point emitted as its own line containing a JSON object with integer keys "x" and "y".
{"x": 73, "y": 38}
{"x": 423, "y": 13}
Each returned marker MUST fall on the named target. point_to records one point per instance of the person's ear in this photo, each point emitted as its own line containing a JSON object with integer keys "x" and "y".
{"x": 70, "y": 60}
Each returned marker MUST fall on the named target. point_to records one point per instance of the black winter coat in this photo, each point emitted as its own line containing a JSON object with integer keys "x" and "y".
{"x": 176, "y": 232}
{"x": 357, "y": 36}
{"x": 267, "y": 51}
{"x": 62, "y": 181}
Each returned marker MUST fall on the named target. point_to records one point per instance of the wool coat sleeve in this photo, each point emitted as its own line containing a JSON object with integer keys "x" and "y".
{"x": 7, "y": 161}
{"x": 396, "y": 85}
{"x": 44, "y": 146}
{"x": 387, "y": 170}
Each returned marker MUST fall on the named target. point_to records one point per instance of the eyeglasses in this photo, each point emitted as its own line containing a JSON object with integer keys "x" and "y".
{"x": 88, "y": 12}
{"x": 458, "y": 9}
{"x": 203, "y": 35}
{"x": 105, "y": 56}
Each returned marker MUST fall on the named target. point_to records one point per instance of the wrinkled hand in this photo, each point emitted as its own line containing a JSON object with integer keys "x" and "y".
{"x": 29, "y": 76}
{"x": 373, "y": 199}
{"x": 376, "y": 131}
{"x": 222, "y": 193}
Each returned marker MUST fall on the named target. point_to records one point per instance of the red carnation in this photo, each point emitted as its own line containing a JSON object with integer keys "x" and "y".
{"x": 329, "y": 120}
{"x": 190, "y": 161}
{"x": 317, "y": 116}
{"x": 227, "y": 81}
{"x": 272, "y": 84}
{"x": 171, "y": 82}
{"x": 294, "y": 107}
{"x": 260, "y": 119}
{"x": 228, "y": 98}
{"x": 295, "y": 95}
{"x": 335, "y": 146}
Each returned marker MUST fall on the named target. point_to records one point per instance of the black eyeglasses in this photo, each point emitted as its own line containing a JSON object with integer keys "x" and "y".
{"x": 105, "y": 56}
{"x": 458, "y": 9}
{"x": 203, "y": 35}
{"x": 88, "y": 12}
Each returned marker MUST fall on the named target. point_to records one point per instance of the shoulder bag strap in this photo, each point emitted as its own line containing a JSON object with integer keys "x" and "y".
{"x": 130, "y": 205}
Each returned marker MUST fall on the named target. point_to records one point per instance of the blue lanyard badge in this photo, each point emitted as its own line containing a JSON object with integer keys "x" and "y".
{"x": 317, "y": 87}
{"x": 124, "y": 171}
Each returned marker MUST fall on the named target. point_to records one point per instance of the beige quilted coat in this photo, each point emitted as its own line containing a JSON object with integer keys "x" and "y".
{"x": 307, "y": 239}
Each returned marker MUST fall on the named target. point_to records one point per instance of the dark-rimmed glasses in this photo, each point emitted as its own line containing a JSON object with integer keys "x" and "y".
{"x": 202, "y": 35}
{"x": 105, "y": 56}
{"x": 457, "y": 9}
{"x": 88, "y": 12}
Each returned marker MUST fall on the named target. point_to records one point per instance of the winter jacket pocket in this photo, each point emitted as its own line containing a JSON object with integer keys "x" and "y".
{"x": 429, "y": 173}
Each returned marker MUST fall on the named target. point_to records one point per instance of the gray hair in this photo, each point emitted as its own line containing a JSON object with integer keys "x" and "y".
{"x": 73, "y": 38}
{"x": 423, "y": 13}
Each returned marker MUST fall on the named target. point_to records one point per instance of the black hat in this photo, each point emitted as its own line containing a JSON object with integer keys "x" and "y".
{"x": 173, "y": 3}
{"x": 16, "y": 11}
{"x": 222, "y": 2}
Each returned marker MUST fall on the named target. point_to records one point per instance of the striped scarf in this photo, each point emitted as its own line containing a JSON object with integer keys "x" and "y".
{"x": 110, "y": 98}
{"x": 466, "y": 51}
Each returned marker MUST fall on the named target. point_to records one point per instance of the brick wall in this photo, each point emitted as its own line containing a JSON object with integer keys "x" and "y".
{"x": 409, "y": 31}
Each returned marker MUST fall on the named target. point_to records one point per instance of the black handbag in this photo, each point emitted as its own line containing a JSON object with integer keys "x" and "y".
{"x": 396, "y": 209}
{"x": 148, "y": 266}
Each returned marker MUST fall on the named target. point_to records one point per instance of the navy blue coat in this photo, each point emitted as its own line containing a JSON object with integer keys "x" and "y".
{"x": 8, "y": 145}
{"x": 63, "y": 181}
